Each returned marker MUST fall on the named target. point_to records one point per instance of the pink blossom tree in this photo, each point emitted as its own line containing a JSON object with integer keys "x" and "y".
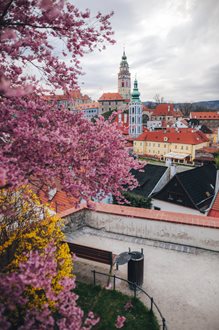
{"x": 41, "y": 42}
{"x": 22, "y": 309}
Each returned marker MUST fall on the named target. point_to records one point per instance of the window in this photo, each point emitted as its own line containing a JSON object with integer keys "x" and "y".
{"x": 175, "y": 146}
{"x": 181, "y": 147}
{"x": 158, "y": 145}
{"x": 157, "y": 208}
{"x": 122, "y": 83}
{"x": 187, "y": 148}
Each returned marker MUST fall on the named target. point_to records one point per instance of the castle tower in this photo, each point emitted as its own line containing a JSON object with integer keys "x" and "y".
{"x": 124, "y": 78}
{"x": 135, "y": 112}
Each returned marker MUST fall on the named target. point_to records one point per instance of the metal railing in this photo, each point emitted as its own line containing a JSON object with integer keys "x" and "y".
{"x": 135, "y": 289}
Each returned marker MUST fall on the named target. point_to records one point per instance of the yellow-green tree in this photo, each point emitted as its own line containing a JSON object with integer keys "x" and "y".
{"x": 26, "y": 225}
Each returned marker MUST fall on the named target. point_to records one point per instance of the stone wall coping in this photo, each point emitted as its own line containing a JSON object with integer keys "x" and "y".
{"x": 154, "y": 215}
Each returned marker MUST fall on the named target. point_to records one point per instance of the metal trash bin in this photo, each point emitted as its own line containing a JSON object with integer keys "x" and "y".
{"x": 136, "y": 268}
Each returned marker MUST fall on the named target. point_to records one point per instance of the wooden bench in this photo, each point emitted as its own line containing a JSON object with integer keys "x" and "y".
{"x": 89, "y": 253}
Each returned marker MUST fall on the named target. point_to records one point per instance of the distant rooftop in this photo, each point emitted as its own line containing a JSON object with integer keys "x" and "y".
{"x": 205, "y": 115}
{"x": 111, "y": 97}
{"x": 174, "y": 135}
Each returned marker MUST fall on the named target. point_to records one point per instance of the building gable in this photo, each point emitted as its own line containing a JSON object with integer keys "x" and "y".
{"x": 193, "y": 188}
{"x": 148, "y": 177}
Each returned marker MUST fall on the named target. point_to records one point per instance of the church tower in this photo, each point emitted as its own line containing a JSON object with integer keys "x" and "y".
{"x": 135, "y": 112}
{"x": 124, "y": 78}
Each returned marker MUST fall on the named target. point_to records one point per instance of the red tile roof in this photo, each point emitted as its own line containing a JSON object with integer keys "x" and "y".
{"x": 134, "y": 212}
{"x": 172, "y": 135}
{"x": 60, "y": 201}
{"x": 111, "y": 97}
{"x": 210, "y": 150}
{"x": 214, "y": 211}
{"x": 211, "y": 115}
{"x": 144, "y": 108}
{"x": 74, "y": 94}
{"x": 166, "y": 110}
{"x": 84, "y": 106}
{"x": 85, "y": 97}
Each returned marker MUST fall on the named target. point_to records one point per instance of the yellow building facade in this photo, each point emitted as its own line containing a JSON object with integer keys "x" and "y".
{"x": 161, "y": 145}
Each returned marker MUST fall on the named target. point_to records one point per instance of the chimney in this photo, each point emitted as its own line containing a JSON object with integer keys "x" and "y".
{"x": 173, "y": 170}
{"x": 168, "y": 162}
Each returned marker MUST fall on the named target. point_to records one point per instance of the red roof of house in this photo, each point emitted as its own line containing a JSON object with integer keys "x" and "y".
{"x": 74, "y": 94}
{"x": 172, "y": 135}
{"x": 166, "y": 110}
{"x": 84, "y": 106}
{"x": 214, "y": 211}
{"x": 59, "y": 202}
{"x": 210, "y": 150}
{"x": 85, "y": 97}
{"x": 111, "y": 97}
{"x": 211, "y": 115}
{"x": 166, "y": 216}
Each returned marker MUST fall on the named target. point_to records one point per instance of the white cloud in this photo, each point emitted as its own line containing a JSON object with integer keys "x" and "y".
{"x": 173, "y": 46}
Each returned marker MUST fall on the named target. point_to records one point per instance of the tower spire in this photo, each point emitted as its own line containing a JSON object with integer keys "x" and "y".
{"x": 124, "y": 78}
{"x": 135, "y": 93}
{"x": 135, "y": 112}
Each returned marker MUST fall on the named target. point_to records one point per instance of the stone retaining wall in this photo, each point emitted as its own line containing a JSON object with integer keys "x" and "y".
{"x": 165, "y": 231}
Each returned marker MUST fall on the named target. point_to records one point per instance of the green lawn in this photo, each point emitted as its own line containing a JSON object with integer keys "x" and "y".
{"x": 108, "y": 304}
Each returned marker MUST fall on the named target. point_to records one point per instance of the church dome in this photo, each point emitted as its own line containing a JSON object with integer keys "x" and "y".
{"x": 135, "y": 93}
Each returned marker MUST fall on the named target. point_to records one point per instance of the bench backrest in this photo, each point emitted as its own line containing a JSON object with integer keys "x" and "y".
{"x": 86, "y": 252}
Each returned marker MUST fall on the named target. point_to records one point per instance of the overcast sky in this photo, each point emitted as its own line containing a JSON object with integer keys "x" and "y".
{"x": 171, "y": 45}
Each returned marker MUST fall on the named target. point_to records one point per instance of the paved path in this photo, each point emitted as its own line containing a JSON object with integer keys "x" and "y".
{"x": 185, "y": 285}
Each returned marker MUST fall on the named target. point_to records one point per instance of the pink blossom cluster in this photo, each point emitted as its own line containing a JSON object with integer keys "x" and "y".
{"x": 28, "y": 32}
{"x": 120, "y": 322}
{"x": 38, "y": 272}
{"x": 38, "y": 142}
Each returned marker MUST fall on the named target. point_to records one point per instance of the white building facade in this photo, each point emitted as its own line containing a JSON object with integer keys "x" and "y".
{"x": 135, "y": 113}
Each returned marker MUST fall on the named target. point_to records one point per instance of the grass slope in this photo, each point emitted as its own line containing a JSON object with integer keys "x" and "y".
{"x": 108, "y": 304}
